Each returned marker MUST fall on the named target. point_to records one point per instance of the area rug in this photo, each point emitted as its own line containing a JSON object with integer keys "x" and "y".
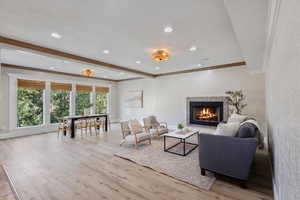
{"x": 184, "y": 168}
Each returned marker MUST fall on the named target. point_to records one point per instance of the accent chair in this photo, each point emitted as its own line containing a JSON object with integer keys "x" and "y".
{"x": 155, "y": 128}
{"x": 133, "y": 131}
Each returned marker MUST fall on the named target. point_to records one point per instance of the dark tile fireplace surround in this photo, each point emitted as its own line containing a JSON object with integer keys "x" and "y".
{"x": 206, "y": 111}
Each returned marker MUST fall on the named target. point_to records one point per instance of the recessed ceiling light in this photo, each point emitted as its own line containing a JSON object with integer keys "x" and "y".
{"x": 106, "y": 51}
{"x": 157, "y": 68}
{"x": 20, "y": 51}
{"x": 52, "y": 67}
{"x": 193, "y": 48}
{"x": 168, "y": 29}
{"x": 56, "y": 35}
{"x": 200, "y": 65}
{"x": 122, "y": 73}
{"x": 66, "y": 62}
{"x": 138, "y": 62}
{"x": 27, "y": 52}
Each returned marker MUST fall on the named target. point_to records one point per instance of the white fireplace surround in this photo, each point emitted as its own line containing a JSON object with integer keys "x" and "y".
{"x": 207, "y": 99}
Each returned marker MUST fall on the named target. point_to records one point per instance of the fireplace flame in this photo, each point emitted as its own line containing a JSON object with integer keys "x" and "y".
{"x": 206, "y": 114}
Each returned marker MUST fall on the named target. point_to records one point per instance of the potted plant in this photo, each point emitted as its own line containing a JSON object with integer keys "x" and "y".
{"x": 236, "y": 99}
{"x": 180, "y": 126}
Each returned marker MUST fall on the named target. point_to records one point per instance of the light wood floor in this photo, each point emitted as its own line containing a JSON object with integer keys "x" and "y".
{"x": 6, "y": 192}
{"x": 45, "y": 168}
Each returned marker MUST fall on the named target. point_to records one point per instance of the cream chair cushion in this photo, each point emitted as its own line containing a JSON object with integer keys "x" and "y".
{"x": 136, "y": 127}
{"x": 158, "y": 131}
{"x": 140, "y": 136}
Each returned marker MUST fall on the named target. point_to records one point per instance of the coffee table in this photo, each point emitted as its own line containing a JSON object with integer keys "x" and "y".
{"x": 182, "y": 137}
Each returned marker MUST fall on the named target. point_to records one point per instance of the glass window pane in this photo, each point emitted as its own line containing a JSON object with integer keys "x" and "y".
{"x": 82, "y": 101}
{"x": 101, "y": 102}
{"x": 30, "y": 107}
{"x": 60, "y": 105}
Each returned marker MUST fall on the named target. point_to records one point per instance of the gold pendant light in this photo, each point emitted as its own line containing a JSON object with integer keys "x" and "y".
{"x": 160, "y": 55}
{"x": 88, "y": 72}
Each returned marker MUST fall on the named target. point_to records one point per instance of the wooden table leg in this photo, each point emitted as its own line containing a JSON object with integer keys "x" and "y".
{"x": 106, "y": 123}
{"x": 72, "y": 128}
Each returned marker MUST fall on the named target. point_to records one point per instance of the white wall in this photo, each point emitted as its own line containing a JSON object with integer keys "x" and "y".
{"x": 166, "y": 96}
{"x": 283, "y": 101}
{"x": 249, "y": 19}
{"x": 6, "y": 101}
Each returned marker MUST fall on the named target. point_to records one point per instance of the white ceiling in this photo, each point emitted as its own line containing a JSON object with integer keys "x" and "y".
{"x": 130, "y": 29}
{"x": 29, "y": 59}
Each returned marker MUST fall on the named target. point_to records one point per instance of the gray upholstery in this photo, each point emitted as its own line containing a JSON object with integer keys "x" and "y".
{"x": 230, "y": 156}
{"x": 247, "y": 130}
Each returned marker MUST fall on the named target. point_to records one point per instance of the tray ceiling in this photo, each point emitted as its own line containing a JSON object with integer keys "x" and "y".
{"x": 129, "y": 29}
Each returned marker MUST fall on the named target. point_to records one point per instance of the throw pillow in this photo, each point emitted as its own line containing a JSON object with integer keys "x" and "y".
{"x": 228, "y": 129}
{"x": 236, "y": 118}
{"x": 247, "y": 130}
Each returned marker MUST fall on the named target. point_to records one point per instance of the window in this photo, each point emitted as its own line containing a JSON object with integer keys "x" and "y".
{"x": 83, "y": 98}
{"x": 30, "y": 103}
{"x": 101, "y": 99}
{"x": 59, "y": 101}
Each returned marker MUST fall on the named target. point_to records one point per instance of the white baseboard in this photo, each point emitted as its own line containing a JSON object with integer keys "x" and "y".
{"x": 27, "y": 131}
{"x": 21, "y": 132}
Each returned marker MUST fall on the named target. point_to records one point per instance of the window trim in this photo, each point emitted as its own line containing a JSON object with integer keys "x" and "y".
{"x": 12, "y": 93}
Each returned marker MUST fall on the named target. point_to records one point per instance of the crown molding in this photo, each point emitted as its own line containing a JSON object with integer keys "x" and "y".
{"x": 236, "y": 64}
{"x": 54, "y": 52}
{"x": 52, "y": 72}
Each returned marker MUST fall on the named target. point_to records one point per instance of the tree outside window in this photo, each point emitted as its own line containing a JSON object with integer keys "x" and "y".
{"x": 101, "y": 102}
{"x": 83, "y": 101}
{"x": 60, "y": 105}
{"x": 30, "y": 107}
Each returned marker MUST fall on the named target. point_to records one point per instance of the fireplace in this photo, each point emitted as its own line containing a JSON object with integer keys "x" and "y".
{"x": 206, "y": 113}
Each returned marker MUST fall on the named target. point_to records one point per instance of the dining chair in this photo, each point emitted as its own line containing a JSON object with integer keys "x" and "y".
{"x": 63, "y": 127}
{"x": 83, "y": 126}
{"x": 94, "y": 124}
{"x": 100, "y": 124}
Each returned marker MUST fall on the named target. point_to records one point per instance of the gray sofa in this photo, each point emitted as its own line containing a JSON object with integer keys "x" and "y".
{"x": 230, "y": 156}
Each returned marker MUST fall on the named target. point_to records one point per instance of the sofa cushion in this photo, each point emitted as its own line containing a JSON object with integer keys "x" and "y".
{"x": 246, "y": 130}
{"x": 228, "y": 129}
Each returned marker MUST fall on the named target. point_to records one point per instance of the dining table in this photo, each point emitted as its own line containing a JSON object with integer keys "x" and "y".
{"x": 74, "y": 118}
